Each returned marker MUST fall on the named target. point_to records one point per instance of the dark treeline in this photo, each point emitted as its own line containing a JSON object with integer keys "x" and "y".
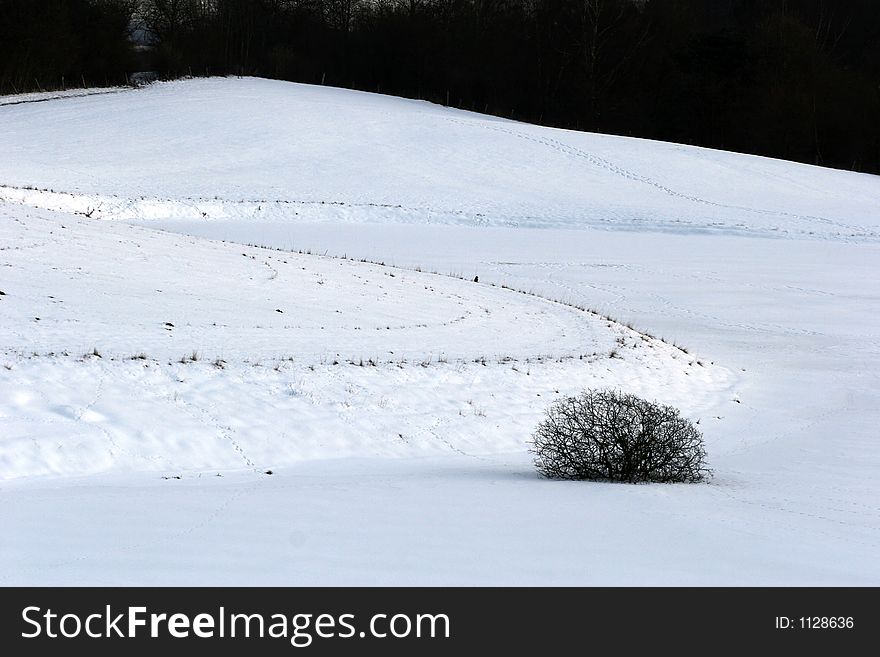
{"x": 51, "y": 44}
{"x": 796, "y": 79}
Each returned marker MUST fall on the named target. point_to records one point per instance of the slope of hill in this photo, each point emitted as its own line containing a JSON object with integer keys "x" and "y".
{"x": 126, "y": 348}
{"x": 152, "y": 375}
{"x": 260, "y": 149}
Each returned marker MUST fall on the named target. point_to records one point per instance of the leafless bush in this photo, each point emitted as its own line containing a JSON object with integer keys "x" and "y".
{"x": 607, "y": 435}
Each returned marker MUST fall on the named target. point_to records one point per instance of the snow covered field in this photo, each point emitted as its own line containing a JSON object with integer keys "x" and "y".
{"x": 393, "y": 406}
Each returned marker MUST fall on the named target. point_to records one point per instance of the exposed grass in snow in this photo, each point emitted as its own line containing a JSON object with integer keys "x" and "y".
{"x": 425, "y": 344}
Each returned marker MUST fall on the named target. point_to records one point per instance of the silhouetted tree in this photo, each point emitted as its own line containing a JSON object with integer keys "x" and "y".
{"x": 58, "y": 43}
{"x": 606, "y": 435}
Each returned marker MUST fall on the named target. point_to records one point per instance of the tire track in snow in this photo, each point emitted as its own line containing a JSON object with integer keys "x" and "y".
{"x": 112, "y": 206}
{"x": 99, "y": 391}
{"x": 611, "y": 167}
{"x": 106, "y": 553}
{"x": 796, "y": 528}
{"x": 666, "y": 306}
{"x": 53, "y": 415}
{"x": 203, "y": 416}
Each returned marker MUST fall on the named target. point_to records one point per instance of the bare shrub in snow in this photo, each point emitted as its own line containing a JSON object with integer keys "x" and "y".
{"x": 607, "y": 435}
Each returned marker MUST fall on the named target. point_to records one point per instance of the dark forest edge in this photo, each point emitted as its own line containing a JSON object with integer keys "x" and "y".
{"x": 793, "y": 79}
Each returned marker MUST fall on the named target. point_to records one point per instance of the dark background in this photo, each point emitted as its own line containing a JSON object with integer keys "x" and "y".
{"x": 794, "y": 79}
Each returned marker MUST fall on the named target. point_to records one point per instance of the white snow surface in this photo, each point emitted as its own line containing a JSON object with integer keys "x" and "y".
{"x": 262, "y": 149}
{"x": 155, "y": 364}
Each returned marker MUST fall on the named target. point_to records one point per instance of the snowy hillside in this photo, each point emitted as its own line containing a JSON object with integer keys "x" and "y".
{"x": 374, "y": 300}
{"x": 261, "y": 149}
{"x": 129, "y": 348}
